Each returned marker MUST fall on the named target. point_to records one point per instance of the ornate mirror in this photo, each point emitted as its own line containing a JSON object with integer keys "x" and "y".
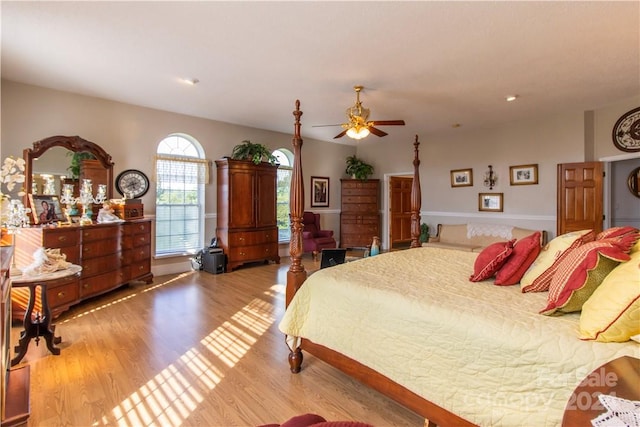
{"x": 633, "y": 182}
{"x": 50, "y": 160}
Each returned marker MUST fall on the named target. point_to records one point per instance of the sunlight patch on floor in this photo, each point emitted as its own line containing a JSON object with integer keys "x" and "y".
{"x": 123, "y": 299}
{"x": 174, "y": 393}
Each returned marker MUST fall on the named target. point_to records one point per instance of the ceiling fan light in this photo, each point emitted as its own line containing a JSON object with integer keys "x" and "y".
{"x": 356, "y": 133}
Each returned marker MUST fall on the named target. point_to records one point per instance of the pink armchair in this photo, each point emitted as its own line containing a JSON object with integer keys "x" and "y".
{"x": 315, "y": 240}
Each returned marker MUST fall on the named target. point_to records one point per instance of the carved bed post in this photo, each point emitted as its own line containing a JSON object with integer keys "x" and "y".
{"x": 416, "y": 198}
{"x": 296, "y": 274}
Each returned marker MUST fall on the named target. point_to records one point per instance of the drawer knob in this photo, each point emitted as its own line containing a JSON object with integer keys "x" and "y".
{"x": 85, "y": 285}
{"x": 61, "y": 294}
{"x": 241, "y": 238}
{"x": 62, "y": 238}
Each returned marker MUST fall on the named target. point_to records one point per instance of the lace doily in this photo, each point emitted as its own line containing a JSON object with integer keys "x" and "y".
{"x": 497, "y": 230}
{"x": 620, "y": 412}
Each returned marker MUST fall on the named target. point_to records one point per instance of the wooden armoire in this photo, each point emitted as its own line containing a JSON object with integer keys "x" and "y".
{"x": 360, "y": 212}
{"x": 247, "y": 228}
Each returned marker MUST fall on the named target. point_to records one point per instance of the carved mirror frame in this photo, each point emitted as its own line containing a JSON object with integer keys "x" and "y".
{"x": 71, "y": 143}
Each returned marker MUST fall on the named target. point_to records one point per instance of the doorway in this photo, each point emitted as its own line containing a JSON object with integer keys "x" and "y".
{"x": 400, "y": 212}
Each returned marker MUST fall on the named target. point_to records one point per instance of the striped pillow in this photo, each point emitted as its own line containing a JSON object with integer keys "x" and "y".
{"x": 538, "y": 277}
{"x": 580, "y": 273}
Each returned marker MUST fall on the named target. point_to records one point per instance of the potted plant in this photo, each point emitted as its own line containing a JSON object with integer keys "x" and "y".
{"x": 424, "y": 232}
{"x": 357, "y": 168}
{"x": 254, "y": 152}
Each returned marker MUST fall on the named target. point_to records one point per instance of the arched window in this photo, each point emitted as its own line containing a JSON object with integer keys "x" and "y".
{"x": 285, "y": 158}
{"x": 181, "y": 172}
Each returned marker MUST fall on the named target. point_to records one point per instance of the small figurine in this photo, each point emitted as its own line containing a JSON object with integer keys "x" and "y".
{"x": 106, "y": 214}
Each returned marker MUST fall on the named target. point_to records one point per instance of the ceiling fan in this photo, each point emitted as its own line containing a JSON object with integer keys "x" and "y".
{"x": 359, "y": 126}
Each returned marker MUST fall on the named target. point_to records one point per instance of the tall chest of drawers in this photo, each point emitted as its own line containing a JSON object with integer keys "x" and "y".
{"x": 360, "y": 214}
{"x": 111, "y": 255}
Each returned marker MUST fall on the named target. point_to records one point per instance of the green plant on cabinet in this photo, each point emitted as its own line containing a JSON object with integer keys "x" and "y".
{"x": 358, "y": 168}
{"x": 253, "y": 152}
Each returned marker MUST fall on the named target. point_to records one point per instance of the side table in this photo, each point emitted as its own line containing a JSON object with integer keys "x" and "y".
{"x": 619, "y": 377}
{"x": 40, "y": 326}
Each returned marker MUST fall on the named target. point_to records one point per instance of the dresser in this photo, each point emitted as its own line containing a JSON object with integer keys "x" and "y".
{"x": 247, "y": 227}
{"x": 14, "y": 393}
{"x": 111, "y": 255}
{"x": 360, "y": 213}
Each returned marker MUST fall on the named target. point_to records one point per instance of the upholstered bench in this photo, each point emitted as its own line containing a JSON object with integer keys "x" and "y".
{"x": 475, "y": 237}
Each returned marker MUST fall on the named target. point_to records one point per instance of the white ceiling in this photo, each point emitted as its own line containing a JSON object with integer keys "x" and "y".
{"x": 432, "y": 64}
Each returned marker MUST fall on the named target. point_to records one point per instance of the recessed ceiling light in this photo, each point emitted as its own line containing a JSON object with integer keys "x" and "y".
{"x": 191, "y": 82}
{"x": 510, "y": 98}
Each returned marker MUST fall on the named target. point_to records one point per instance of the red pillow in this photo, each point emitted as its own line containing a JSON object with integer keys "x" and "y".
{"x": 490, "y": 260}
{"x": 524, "y": 253}
{"x": 616, "y": 232}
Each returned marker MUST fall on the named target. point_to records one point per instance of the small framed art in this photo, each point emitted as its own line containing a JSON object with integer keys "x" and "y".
{"x": 45, "y": 209}
{"x": 523, "y": 174}
{"x": 462, "y": 178}
{"x": 490, "y": 202}
{"x": 319, "y": 192}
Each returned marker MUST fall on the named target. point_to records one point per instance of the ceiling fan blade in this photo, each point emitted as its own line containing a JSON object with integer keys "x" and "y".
{"x": 323, "y": 126}
{"x": 341, "y": 134}
{"x": 376, "y": 131}
{"x": 388, "y": 122}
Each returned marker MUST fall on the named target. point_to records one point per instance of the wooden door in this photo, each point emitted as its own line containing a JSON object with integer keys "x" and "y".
{"x": 579, "y": 205}
{"x": 400, "y": 210}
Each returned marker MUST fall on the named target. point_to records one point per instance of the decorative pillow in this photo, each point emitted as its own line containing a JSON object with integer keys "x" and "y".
{"x": 524, "y": 253}
{"x": 612, "y": 313}
{"x": 580, "y": 273}
{"x": 616, "y": 232}
{"x": 490, "y": 260}
{"x": 538, "y": 277}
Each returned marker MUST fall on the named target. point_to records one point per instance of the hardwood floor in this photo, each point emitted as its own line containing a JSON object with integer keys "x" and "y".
{"x": 194, "y": 349}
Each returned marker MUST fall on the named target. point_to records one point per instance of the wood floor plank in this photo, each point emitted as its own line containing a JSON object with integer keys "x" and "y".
{"x": 192, "y": 349}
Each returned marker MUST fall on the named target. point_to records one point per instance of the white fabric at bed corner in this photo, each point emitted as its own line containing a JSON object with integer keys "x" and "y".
{"x": 478, "y": 350}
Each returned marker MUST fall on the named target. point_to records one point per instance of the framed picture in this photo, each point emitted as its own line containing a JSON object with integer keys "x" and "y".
{"x": 319, "y": 192}
{"x": 45, "y": 209}
{"x": 523, "y": 174}
{"x": 462, "y": 178}
{"x": 491, "y": 202}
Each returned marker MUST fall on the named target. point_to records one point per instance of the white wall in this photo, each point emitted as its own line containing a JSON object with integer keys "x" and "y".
{"x": 130, "y": 134}
{"x": 547, "y": 141}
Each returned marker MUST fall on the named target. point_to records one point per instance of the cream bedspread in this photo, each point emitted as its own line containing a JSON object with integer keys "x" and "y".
{"x": 478, "y": 350}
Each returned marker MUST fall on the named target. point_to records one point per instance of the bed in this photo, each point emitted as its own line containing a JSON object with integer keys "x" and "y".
{"x": 455, "y": 352}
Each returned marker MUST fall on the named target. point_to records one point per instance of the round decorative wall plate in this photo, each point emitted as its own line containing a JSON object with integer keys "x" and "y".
{"x": 626, "y": 131}
{"x": 132, "y": 183}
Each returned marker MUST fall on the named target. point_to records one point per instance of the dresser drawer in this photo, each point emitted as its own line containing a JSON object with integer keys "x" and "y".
{"x": 140, "y": 253}
{"x": 60, "y": 238}
{"x": 141, "y": 239}
{"x": 63, "y": 295}
{"x": 247, "y": 238}
{"x": 255, "y": 252}
{"x": 140, "y": 268}
{"x": 100, "y": 233}
{"x": 96, "y": 284}
{"x": 98, "y": 248}
{"x": 100, "y": 265}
